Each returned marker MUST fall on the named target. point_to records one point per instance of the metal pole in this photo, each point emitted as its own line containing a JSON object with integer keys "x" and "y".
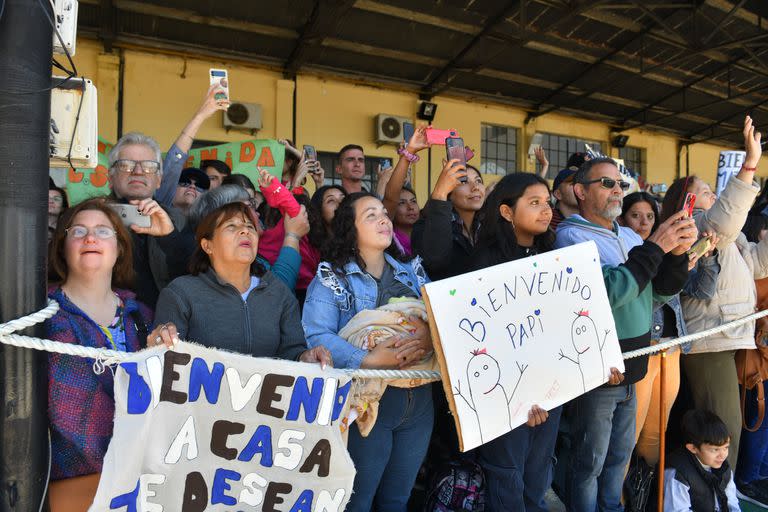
{"x": 662, "y": 425}
{"x": 26, "y": 36}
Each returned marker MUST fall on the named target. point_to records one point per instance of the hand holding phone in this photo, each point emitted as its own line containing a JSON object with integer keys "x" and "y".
{"x": 690, "y": 201}
{"x": 408, "y": 130}
{"x": 454, "y": 150}
{"x": 129, "y": 214}
{"x": 700, "y": 248}
{"x": 435, "y": 136}
{"x": 219, "y": 77}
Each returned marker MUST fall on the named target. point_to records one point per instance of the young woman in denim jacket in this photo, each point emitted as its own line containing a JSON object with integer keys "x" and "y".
{"x": 360, "y": 271}
{"x": 641, "y": 213}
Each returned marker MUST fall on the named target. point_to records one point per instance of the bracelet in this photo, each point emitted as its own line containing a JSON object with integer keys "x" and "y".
{"x": 408, "y": 155}
{"x": 294, "y": 236}
{"x": 750, "y": 169}
{"x": 188, "y": 135}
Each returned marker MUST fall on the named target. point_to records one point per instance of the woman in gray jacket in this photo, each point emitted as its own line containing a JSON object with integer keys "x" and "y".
{"x": 710, "y": 366}
{"x": 229, "y": 302}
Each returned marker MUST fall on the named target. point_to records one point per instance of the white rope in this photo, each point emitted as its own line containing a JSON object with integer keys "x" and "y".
{"x": 693, "y": 337}
{"x": 106, "y": 358}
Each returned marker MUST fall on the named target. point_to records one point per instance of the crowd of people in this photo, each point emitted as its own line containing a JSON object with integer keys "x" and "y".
{"x": 266, "y": 270}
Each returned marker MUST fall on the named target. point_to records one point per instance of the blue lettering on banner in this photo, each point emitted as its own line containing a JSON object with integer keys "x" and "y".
{"x": 302, "y": 397}
{"x": 201, "y": 377}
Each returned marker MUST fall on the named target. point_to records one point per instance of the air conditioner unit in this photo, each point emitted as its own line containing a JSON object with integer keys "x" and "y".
{"x": 65, "y": 16}
{"x": 243, "y": 116}
{"x": 74, "y": 102}
{"x": 389, "y": 128}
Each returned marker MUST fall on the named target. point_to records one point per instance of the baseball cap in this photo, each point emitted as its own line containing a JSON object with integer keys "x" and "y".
{"x": 562, "y": 177}
{"x": 193, "y": 173}
{"x": 576, "y": 160}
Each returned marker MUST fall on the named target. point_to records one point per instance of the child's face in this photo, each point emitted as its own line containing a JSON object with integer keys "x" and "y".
{"x": 709, "y": 454}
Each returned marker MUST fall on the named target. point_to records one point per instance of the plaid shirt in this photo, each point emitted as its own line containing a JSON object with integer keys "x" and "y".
{"x": 81, "y": 404}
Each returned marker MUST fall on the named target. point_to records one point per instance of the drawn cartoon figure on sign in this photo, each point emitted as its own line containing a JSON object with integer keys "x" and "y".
{"x": 588, "y": 347}
{"x": 485, "y": 389}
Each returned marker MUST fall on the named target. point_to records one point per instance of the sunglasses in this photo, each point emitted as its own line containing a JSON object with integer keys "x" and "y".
{"x": 608, "y": 183}
{"x": 192, "y": 184}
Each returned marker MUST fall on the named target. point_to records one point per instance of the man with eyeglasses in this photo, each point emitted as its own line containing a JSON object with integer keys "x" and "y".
{"x": 635, "y": 273}
{"x": 351, "y": 168}
{"x": 192, "y": 184}
{"x": 135, "y": 174}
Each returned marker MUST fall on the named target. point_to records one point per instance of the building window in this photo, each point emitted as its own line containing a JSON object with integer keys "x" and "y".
{"x": 634, "y": 159}
{"x": 328, "y": 161}
{"x": 559, "y": 147}
{"x": 498, "y": 149}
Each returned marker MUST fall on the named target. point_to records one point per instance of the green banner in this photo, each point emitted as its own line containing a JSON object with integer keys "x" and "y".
{"x": 83, "y": 184}
{"x": 242, "y": 157}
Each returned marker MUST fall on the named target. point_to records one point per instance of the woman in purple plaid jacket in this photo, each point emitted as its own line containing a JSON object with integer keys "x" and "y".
{"x": 91, "y": 252}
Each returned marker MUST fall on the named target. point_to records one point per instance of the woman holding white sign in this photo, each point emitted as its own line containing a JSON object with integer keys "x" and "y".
{"x": 514, "y": 223}
{"x": 362, "y": 270}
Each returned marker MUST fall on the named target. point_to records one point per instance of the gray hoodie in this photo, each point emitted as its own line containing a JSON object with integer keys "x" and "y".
{"x": 211, "y": 312}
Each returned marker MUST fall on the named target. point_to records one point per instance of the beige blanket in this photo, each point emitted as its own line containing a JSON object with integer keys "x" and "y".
{"x": 365, "y": 330}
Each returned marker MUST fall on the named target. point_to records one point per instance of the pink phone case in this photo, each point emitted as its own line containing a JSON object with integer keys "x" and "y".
{"x": 435, "y": 136}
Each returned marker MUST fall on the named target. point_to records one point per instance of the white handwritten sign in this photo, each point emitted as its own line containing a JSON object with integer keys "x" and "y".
{"x": 535, "y": 331}
{"x": 198, "y": 429}
{"x": 728, "y": 165}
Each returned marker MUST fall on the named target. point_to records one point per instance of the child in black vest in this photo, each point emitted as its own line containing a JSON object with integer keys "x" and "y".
{"x": 697, "y": 477}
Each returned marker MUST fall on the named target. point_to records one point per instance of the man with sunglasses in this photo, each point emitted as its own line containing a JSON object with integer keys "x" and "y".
{"x": 635, "y": 272}
{"x": 193, "y": 183}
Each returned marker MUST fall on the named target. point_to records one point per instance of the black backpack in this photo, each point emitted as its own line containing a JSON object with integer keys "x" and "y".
{"x": 459, "y": 486}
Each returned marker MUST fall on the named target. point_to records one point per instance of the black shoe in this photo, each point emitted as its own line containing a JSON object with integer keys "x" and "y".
{"x": 754, "y": 492}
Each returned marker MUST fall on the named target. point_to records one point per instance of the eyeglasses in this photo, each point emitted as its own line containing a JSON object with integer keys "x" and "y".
{"x": 146, "y": 166}
{"x": 101, "y": 232}
{"x": 608, "y": 183}
{"x": 255, "y": 202}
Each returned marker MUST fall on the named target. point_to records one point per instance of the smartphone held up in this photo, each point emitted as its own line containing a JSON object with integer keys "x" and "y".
{"x": 220, "y": 78}
{"x": 454, "y": 150}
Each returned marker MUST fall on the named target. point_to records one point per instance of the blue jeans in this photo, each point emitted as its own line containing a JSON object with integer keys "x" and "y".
{"x": 753, "y": 449}
{"x": 518, "y": 467}
{"x": 603, "y": 423}
{"x": 388, "y": 460}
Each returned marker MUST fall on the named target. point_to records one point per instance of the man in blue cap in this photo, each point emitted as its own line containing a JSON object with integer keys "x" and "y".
{"x": 566, "y": 204}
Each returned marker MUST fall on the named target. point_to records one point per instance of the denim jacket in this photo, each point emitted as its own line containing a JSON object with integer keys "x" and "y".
{"x": 701, "y": 284}
{"x": 333, "y": 299}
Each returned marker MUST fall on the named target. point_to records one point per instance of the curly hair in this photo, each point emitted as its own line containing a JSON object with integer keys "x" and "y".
{"x": 342, "y": 248}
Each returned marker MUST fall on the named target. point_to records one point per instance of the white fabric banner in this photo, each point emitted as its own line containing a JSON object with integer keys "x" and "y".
{"x": 533, "y": 331}
{"x": 201, "y": 429}
{"x": 728, "y": 165}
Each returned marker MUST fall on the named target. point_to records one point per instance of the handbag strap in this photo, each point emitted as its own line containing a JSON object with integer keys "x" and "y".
{"x": 760, "y": 402}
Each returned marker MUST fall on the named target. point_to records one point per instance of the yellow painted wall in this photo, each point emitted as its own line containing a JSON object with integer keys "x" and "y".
{"x": 162, "y": 92}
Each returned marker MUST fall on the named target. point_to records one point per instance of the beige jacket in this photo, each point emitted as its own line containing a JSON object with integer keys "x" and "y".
{"x": 741, "y": 262}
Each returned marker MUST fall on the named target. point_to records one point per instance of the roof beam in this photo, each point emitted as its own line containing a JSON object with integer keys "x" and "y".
{"x": 722, "y": 21}
{"x": 758, "y": 89}
{"x": 323, "y": 21}
{"x": 676, "y": 92}
{"x": 589, "y": 69}
{"x": 724, "y": 119}
{"x": 441, "y": 80}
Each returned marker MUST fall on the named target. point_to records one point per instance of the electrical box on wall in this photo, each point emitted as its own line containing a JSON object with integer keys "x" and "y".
{"x": 74, "y": 124}
{"x": 65, "y": 18}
